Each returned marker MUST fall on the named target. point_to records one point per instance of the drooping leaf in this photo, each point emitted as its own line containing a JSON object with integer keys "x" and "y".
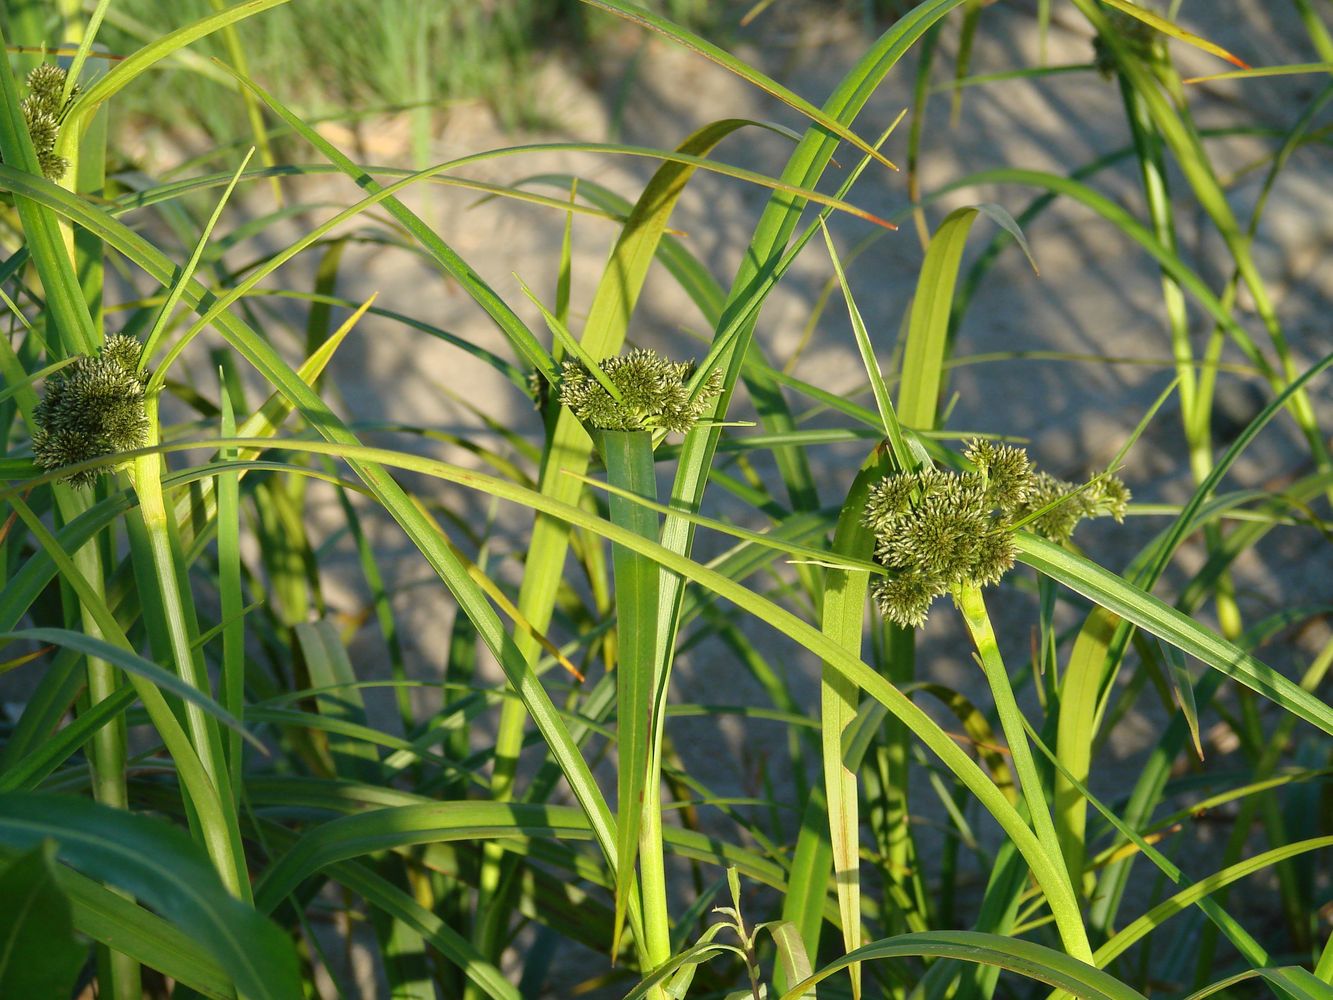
{"x": 159, "y": 865}
{"x": 39, "y": 956}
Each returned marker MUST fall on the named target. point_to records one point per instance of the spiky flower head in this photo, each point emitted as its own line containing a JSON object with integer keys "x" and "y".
{"x": 1069, "y": 503}
{"x": 906, "y": 597}
{"x": 1139, "y": 38}
{"x": 92, "y": 408}
{"x": 937, "y": 529}
{"x": 46, "y": 89}
{"x": 1006, "y": 472}
{"x": 44, "y": 110}
{"x": 654, "y": 394}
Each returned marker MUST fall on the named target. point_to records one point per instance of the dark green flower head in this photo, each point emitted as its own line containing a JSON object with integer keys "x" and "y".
{"x": 937, "y": 529}
{"x": 906, "y": 598}
{"x": 1142, "y": 40}
{"x": 46, "y": 90}
{"x": 44, "y": 111}
{"x": 92, "y": 408}
{"x": 654, "y": 393}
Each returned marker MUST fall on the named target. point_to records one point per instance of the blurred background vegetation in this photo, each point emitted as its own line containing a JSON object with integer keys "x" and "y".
{"x": 398, "y": 54}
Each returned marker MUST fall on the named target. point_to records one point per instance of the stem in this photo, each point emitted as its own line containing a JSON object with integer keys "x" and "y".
{"x": 640, "y": 696}
{"x": 106, "y": 752}
{"x": 1196, "y": 393}
{"x": 202, "y": 729}
{"x": 1064, "y": 905}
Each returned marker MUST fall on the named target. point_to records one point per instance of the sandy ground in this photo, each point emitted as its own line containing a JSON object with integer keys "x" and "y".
{"x": 1096, "y": 295}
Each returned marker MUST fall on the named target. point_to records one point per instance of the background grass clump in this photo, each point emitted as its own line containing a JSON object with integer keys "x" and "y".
{"x": 363, "y": 56}
{"x": 305, "y": 693}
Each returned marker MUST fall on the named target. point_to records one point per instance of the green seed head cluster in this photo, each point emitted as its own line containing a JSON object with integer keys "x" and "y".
{"x": 1143, "y": 40}
{"x": 44, "y": 110}
{"x": 93, "y": 407}
{"x": 1105, "y": 495}
{"x": 653, "y": 391}
{"x": 937, "y": 529}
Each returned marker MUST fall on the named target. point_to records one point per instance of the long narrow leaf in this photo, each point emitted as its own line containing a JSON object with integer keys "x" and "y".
{"x": 1153, "y": 615}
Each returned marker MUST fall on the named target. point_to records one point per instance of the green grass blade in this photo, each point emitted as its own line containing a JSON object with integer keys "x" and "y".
{"x": 1173, "y": 30}
{"x": 807, "y": 882}
{"x": 231, "y": 40}
{"x": 1182, "y": 139}
{"x": 327, "y": 666}
{"x": 1182, "y": 687}
{"x": 972, "y": 605}
{"x": 1171, "y": 262}
{"x": 1245, "y": 944}
{"x": 444, "y": 255}
{"x": 187, "y": 272}
{"x": 362, "y": 833}
{"x": 796, "y": 550}
{"x": 1136, "y": 930}
{"x": 135, "y": 65}
{"x": 569, "y": 447}
{"x": 33, "y": 767}
{"x": 422, "y": 532}
{"x": 889, "y": 419}
{"x": 1044, "y": 871}
{"x": 393, "y": 901}
{"x": 764, "y": 260}
{"x": 134, "y": 664}
{"x": 107, "y": 917}
{"x": 26, "y": 383}
{"x": 928, "y": 327}
{"x": 1081, "y": 687}
{"x": 1294, "y": 69}
{"x": 231, "y": 686}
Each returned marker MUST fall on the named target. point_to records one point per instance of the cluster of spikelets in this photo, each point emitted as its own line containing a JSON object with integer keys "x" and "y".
{"x": 935, "y": 530}
{"x": 44, "y": 111}
{"x": 92, "y": 408}
{"x": 1142, "y": 40}
{"x": 654, "y": 393}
